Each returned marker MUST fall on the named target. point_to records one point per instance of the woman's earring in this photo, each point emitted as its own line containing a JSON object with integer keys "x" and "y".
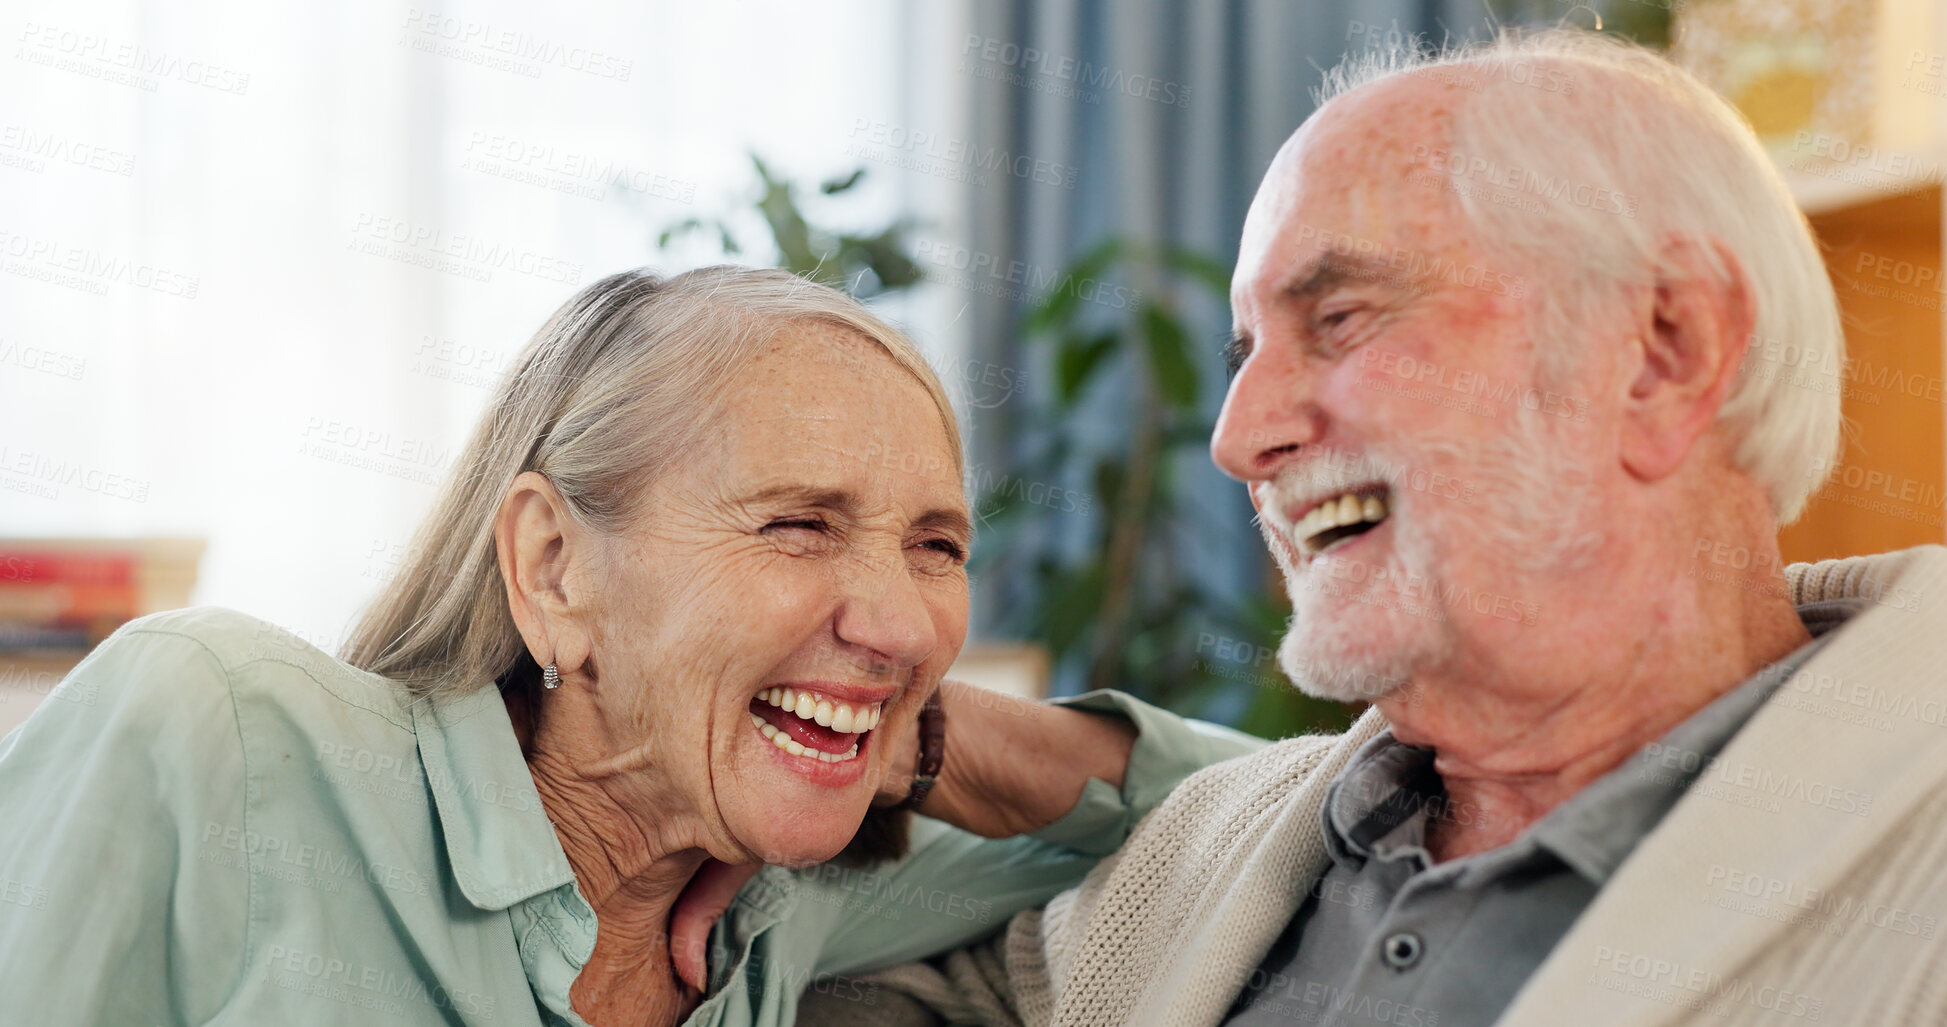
{"x": 550, "y": 678}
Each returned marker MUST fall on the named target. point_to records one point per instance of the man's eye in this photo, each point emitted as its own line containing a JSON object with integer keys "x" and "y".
{"x": 801, "y": 523}
{"x": 1338, "y": 330}
{"x": 1335, "y": 318}
{"x": 1236, "y": 351}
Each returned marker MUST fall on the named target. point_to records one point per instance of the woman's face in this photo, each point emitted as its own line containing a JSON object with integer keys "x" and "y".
{"x": 808, "y": 554}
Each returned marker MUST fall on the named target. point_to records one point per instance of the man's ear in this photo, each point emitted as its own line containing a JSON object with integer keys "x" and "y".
{"x": 537, "y": 541}
{"x": 1693, "y": 329}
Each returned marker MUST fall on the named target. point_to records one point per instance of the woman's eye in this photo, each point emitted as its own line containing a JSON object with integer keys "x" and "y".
{"x": 799, "y": 524}
{"x": 948, "y": 546}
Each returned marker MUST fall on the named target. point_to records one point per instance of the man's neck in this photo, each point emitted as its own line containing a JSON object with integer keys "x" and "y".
{"x": 1517, "y": 734}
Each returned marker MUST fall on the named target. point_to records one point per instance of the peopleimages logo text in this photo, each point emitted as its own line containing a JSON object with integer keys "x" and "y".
{"x": 949, "y": 150}
{"x": 1082, "y": 73}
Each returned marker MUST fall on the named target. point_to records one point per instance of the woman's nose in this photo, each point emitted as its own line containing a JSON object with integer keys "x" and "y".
{"x": 1269, "y": 414}
{"x": 886, "y": 613}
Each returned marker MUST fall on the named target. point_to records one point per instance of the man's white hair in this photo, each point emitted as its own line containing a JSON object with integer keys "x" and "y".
{"x": 1608, "y": 150}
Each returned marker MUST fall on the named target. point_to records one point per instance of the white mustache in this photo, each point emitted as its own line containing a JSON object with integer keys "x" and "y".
{"x": 1328, "y": 474}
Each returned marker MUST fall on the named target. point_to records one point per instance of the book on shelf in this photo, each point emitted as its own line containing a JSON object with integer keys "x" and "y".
{"x": 69, "y": 594}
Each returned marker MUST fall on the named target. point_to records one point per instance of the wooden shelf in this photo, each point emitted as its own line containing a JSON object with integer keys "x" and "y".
{"x": 1834, "y": 189}
{"x": 1890, "y": 487}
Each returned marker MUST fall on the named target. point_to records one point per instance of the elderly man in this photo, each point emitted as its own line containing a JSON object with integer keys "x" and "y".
{"x": 1498, "y": 400}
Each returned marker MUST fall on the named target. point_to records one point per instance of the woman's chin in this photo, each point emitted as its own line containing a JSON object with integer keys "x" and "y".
{"x": 801, "y": 841}
{"x": 797, "y": 810}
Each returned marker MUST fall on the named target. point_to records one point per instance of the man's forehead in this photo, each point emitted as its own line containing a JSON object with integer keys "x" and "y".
{"x": 1392, "y": 114}
{"x": 1342, "y": 179}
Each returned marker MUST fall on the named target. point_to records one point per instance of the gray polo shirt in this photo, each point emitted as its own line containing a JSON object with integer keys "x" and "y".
{"x": 1388, "y": 938}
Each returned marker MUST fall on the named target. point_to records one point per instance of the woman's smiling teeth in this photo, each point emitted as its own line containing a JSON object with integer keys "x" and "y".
{"x": 836, "y": 714}
{"x": 842, "y": 718}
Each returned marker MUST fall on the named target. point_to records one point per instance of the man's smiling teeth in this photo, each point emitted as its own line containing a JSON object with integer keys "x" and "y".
{"x": 1320, "y": 529}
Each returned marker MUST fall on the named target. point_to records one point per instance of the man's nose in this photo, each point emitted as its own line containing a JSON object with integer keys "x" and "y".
{"x": 1269, "y": 414}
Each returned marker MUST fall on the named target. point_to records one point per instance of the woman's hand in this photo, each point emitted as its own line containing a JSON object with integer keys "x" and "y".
{"x": 1013, "y": 765}
{"x": 696, "y": 912}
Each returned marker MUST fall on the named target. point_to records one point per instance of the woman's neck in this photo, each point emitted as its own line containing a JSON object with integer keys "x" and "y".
{"x": 627, "y": 867}
{"x": 622, "y": 862}
{"x": 625, "y": 849}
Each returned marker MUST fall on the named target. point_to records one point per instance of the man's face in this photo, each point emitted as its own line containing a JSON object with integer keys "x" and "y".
{"x": 1414, "y": 480}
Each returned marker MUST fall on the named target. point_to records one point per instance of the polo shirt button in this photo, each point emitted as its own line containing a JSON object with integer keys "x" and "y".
{"x": 1402, "y": 950}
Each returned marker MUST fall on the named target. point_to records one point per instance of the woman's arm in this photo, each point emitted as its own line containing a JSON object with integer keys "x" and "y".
{"x": 1014, "y": 765}
{"x": 1017, "y": 766}
{"x": 1079, "y": 774}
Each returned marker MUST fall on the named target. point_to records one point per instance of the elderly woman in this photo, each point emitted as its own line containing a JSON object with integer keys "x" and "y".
{"x": 684, "y": 605}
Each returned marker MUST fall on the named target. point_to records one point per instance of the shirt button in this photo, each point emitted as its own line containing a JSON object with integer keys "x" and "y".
{"x": 1402, "y": 950}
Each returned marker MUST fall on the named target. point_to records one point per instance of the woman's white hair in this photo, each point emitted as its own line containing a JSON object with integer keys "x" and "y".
{"x": 1581, "y": 156}
{"x": 619, "y": 382}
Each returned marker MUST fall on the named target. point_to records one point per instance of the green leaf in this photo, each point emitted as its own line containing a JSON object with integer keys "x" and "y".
{"x": 885, "y": 254}
{"x": 1109, "y": 477}
{"x": 1200, "y": 267}
{"x": 1192, "y": 432}
{"x": 763, "y": 171}
{"x": 1097, "y": 260}
{"x": 1170, "y": 368}
{"x": 839, "y": 185}
{"x": 1076, "y": 361}
{"x": 677, "y": 230}
{"x": 1278, "y": 710}
{"x": 1069, "y": 607}
{"x": 1061, "y": 302}
{"x": 997, "y": 504}
{"x": 788, "y": 227}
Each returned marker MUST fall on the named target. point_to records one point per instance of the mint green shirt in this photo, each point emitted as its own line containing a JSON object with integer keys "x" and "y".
{"x": 210, "y": 821}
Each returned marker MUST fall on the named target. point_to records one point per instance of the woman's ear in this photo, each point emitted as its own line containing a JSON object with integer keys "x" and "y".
{"x": 538, "y": 542}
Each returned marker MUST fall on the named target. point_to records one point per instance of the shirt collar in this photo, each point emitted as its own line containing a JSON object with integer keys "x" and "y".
{"x": 1381, "y": 801}
{"x": 499, "y": 840}
{"x": 763, "y": 902}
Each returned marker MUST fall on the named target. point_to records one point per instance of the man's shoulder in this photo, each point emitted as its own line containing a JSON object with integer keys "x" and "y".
{"x": 1906, "y": 579}
{"x": 1275, "y": 768}
{"x": 1224, "y": 803}
{"x": 1237, "y": 839}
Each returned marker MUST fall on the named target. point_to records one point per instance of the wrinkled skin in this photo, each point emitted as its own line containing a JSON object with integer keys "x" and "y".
{"x": 817, "y": 536}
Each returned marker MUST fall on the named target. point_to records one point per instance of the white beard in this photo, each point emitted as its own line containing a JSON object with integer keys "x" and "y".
{"x": 1361, "y": 634}
{"x": 1328, "y": 649}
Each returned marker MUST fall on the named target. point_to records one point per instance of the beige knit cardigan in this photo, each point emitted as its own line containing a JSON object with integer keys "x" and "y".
{"x": 1802, "y": 880}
